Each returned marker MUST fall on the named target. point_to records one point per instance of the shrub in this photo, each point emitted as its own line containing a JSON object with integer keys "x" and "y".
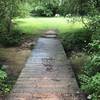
{"x": 94, "y": 46}
{"x": 93, "y": 65}
{"x": 94, "y": 24}
{"x": 4, "y": 88}
{"x": 12, "y": 39}
{"x": 78, "y": 60}
{"x": 76, "y": 40}
{"x": 42, "y": 11}
{"x": 91, "y": 85}
{"x": 23, "y": 10}
{"x": 90, "y": 79}
{"x": 39, "y": 10}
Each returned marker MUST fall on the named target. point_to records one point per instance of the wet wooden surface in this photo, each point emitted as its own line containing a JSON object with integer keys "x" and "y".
{"x": 47, "y": 74}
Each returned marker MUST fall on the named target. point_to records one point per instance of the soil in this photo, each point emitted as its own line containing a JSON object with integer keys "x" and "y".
{"x": 13, "y": 59}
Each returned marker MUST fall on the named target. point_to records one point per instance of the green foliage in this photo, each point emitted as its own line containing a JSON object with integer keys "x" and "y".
{"x": 53, "y": 7}
{"x": 46, "y": 8}
{"x": 8, "y": 9}
{"x": 80, "y": 7}
{"x": 39, "y": 10}
{"x": 78, "y": 59}
{"x": 91, "y": 85}
{"x": 3, "y": 75}
{"x": 94, "y": 24}
{"x": 4, "y": 88}
{"x": 94, "y": 46}
{"x": 12, "y": 39}
{"x": 90, "y": 74}
{"x": 76, "y": 40}
{"x": 93, "y": 65}
{"x": 90, "y": 79}
{"x": 42, "y": 11}
{"x": 68, "y": 7}
{"x": 24, "y": 9}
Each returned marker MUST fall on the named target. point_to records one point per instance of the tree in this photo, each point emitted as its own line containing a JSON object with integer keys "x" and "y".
{"x": 8, "y": 10}
{"x": 46, "y": 7}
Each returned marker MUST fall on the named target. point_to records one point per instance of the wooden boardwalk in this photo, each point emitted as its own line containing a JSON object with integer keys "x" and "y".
{"x": 47, "y": 74}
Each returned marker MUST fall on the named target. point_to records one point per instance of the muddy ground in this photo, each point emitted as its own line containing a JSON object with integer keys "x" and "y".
{"x": 13, "y": 59}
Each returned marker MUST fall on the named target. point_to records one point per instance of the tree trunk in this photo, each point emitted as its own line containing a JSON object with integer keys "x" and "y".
{"x": 9, "y": 25}
{"x": 9, "y": 22}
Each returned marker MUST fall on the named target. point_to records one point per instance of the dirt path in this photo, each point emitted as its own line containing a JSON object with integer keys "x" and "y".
{"x": 47, "y": 74}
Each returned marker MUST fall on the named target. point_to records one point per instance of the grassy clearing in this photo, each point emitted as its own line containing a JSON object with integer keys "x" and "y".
{"x": 38, "y": 25}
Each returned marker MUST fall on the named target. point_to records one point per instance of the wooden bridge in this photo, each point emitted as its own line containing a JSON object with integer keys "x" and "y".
{"x": 47, "y": 74}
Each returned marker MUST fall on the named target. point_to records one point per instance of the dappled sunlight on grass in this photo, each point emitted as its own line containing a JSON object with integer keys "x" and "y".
{"x": 35, "y": 25}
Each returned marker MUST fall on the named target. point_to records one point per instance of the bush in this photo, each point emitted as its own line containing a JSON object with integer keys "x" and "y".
{"x": 91, "y": 85}
{"x": 4, "y": 88}
{"x": 12, "y": 39}
{"x": 42, "y": 11}
{"x": 39, "y": 10}
{"x": 23, "y": 10}
{"x": 94, "y": 24}
{"x": 90, "y": 79}
{"x": 78, "y": 59}
{"x": 93, "y": 65}
{"x": 76, "y": 40}
{"x": 94, "y": 46}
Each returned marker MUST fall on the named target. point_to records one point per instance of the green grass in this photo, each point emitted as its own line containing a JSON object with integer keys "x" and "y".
{"x": 38, "y": 25}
